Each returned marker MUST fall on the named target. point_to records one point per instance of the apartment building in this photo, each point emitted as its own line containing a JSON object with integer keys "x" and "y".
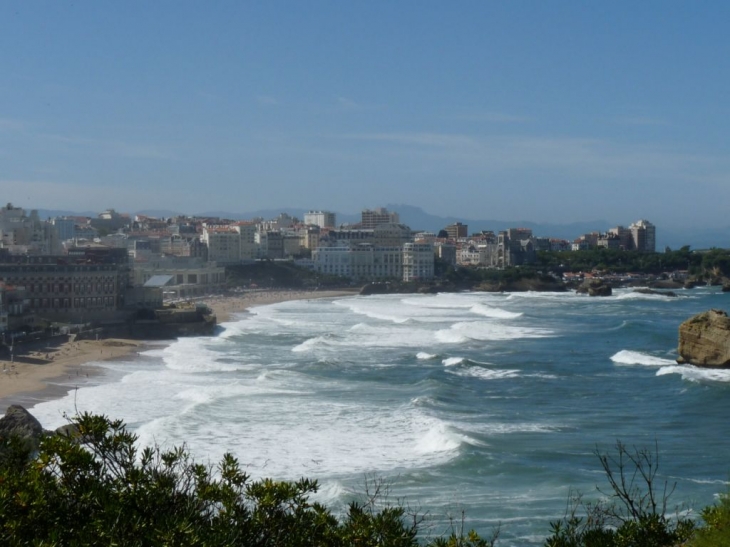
{"x": 322, "y": 219}
{"x": 643, "y": 235}
{"x": 457, "y": 230}
{"x": 224, "y": 244}
{"x": 372, "y": 218}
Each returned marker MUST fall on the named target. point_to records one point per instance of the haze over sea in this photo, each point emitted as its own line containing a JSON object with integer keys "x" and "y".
{"x": 493, "y": 403}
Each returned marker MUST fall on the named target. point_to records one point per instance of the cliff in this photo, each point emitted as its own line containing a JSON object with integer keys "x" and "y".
{"x": 704, "y": 340}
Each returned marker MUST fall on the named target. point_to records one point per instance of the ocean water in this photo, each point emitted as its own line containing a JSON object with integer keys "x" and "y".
{"x": 488, "y": 403}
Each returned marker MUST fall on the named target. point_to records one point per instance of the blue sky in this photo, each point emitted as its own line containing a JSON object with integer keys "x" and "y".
{"x": 544, "y": 111}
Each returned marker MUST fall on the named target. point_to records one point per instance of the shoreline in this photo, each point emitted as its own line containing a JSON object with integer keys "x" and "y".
{"x": 40, "y": 371}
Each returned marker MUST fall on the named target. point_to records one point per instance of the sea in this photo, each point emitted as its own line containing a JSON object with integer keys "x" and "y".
{"x": 486, "y": 406}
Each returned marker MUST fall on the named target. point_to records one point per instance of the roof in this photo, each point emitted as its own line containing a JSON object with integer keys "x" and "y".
{"x": 159, "y": 281}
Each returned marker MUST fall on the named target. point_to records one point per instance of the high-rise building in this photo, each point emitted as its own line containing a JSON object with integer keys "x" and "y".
{"x": 372, "y": 218}
{"x": 323, "y": 219}
{"x": 643, "y": 234}
{"x": 457, "y": 230}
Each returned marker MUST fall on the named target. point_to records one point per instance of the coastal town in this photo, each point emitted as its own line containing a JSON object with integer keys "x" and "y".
{"x": 73, "y": 288}
{"x": 99, "y": 269}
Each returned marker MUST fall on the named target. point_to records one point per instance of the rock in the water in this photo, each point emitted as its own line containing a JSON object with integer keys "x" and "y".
{"x": 671, "y": 294}
{"x": 595, "y": 287}
{"x": 18, "y": 422}
{"x": 704, "y": 340}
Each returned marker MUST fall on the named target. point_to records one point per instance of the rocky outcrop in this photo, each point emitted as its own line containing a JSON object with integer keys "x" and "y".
{"x": 20, "y": 423}
{"x": 595, "y": 287}
{"x": 534, "y": 284}
{"x": 666, "y": 284}
{"x": 671, "y": 294}
{"x": 704, "y": 340}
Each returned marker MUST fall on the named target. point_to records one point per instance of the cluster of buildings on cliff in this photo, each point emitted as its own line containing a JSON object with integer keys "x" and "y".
{"x": 92, "y": 268}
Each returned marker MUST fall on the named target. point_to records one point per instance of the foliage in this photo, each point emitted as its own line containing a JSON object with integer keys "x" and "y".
{"x": 620, "y": 261}
{"x": 94, "y": 487}
{"x": 267, "y": 274}
{"x": 633, "y": 512}
{"x": 717, "y": 525}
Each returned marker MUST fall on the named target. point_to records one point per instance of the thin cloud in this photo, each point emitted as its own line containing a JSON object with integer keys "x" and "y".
{"x": 267, "y": 100}
{"x": 437, "y": 140}
{"x": 7, "y": 124}
{"x": 493, "y": 117}
{"x": 345, "y": 103}
{"x": 640, "y": 120}
{"x": 114, "y": 148}
{"x": 572, "y": 157}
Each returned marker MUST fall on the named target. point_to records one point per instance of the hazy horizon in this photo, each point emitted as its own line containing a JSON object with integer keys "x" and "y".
{"x": 557, "y": 113}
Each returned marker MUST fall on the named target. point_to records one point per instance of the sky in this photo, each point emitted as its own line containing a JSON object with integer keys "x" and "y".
{"x": 545, "y": 111}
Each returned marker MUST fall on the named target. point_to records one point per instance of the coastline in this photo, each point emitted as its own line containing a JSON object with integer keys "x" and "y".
{"x": 41, "y": 372}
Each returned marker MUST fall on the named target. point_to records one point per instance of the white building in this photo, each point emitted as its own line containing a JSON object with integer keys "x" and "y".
{"x": 408, "y": 262}
{"x": 323, "y": 219}
{"x": 224, "y": 244}
{"x": 643, "y": 234}
{"x": 249, "y": 246}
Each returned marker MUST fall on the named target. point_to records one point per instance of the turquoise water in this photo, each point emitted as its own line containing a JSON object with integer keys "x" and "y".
{"x": 488, "y": 403}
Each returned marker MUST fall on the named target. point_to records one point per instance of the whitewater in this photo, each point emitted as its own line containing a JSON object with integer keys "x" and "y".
{"x": 489, "y": 403}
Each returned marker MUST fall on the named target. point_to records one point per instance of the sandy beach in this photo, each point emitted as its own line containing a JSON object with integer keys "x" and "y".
{"x": 31, "y": 375}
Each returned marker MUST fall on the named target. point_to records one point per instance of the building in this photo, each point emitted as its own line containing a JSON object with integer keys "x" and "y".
{"x": 372, "y": 218}
{"x": 65, "y": 227}
{"x": 366, "y": 261}
{"x": 418, "y": 261}
{"x": 190, "y": 276}
{"x": 86, "y": 281}
{"x": 515, "y": 247}
{"x": 224, "y": 244}
{"x": 643, "y": 235}
{"x": 457, "y": 230}
{"x": 391, "y": 235}
{"x": 248, "y": 247}
{"x": 323, "y": 219}
{"x": 27, "y": 234}
{"x": 626, "y": 241}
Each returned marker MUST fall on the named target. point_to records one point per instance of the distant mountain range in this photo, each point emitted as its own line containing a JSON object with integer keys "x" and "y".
{"x": 418, "y": 219}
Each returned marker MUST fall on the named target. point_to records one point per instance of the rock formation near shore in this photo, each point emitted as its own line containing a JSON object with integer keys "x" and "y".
{"x": 671, "y": 294}
{"x": 595, "y": 287}
{"x": 18, "y": 422}
{"x": 704, "y": 340}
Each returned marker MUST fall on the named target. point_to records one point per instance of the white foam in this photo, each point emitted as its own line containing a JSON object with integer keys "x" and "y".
{"x": 450, "y": 337}
{"x": 628, "y": 357}
{"x": 451, "y": 361}
{"x": 487, "y": 374}
{"x": 633, "y": 295}
{"x": 423, "y": 356}
{"x": 488, "y": 331}
{"x": 695, "y": 374}
{"x": 310, "y": 344}
{"x": 496, "y": 313}
{"x": 438, "y": 439}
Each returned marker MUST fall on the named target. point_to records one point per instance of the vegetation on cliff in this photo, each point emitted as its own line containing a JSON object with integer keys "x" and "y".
{"x": 88, "y": 484}
{"x": 704, "y": 264}
{"x": 92, "y": 486}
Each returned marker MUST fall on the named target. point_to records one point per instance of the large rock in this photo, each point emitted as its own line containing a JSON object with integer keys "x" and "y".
{"x": 594, "y": 287}
{"x": 18, "y": 422}
{"x": 704, "y": 340}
